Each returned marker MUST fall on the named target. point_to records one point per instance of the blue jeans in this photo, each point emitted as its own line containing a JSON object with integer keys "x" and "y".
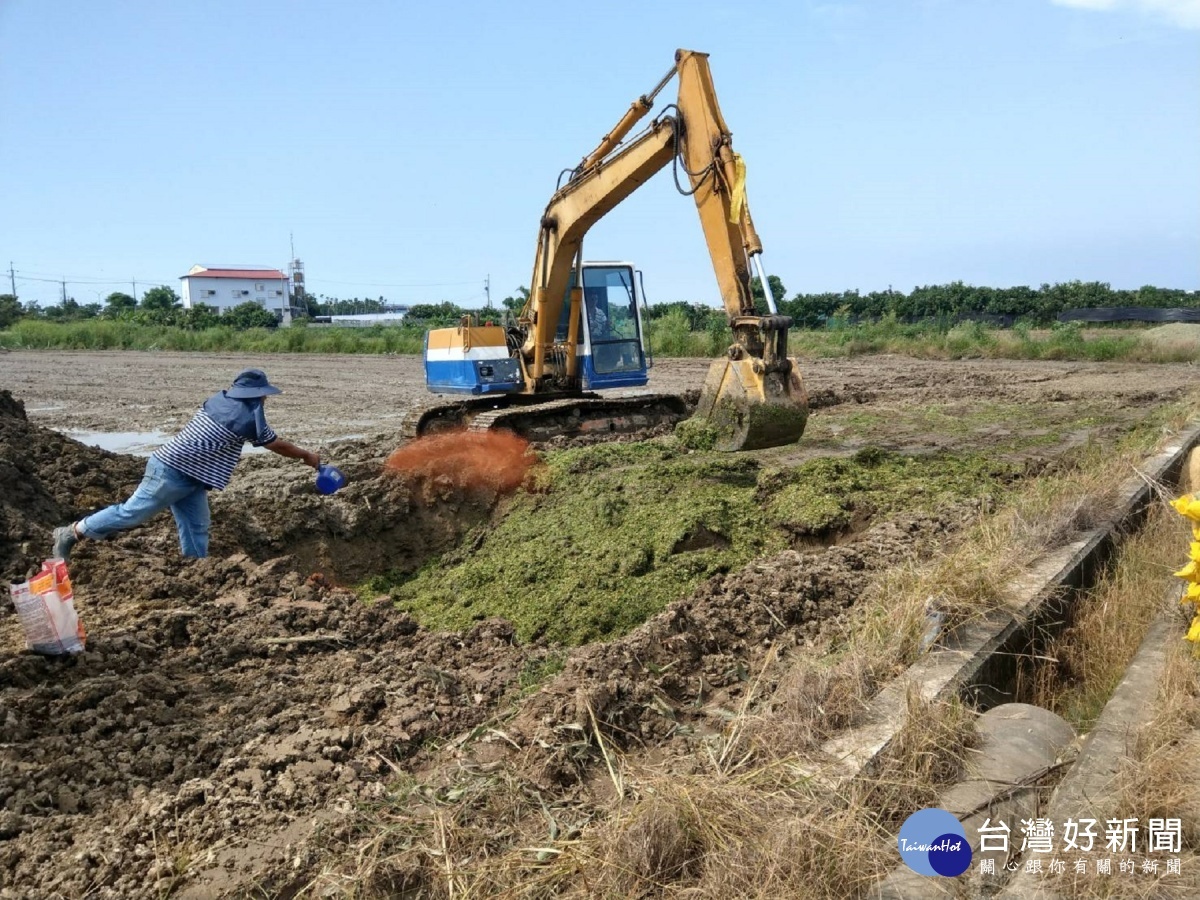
{"x": 161, "y": 486}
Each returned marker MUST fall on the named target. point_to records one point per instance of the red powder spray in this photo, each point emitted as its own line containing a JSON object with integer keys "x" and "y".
{"x": 493, "y": 460}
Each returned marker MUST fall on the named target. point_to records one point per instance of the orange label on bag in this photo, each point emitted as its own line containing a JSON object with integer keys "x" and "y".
{"x": 64, "y": 580}
{"x": 42, "y": 583}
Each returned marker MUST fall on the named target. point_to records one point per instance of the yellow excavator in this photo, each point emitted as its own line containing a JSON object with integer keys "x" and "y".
{"x": 582, "y": 328}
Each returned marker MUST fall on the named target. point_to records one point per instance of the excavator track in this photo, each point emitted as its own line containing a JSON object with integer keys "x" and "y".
{"x": 587, "y": 414}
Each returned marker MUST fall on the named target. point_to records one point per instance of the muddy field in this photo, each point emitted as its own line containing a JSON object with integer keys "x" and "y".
{"x": 232, "y": 716}
{"x": 329, "y": 397}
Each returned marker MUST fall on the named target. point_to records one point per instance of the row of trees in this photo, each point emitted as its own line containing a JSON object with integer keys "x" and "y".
{"x": 71, "y": 310}
{"x": 938, "y": 302}
{"x": 313, "y": 306}
{"x": 952, "y": 301}
{"x": 1039, "y": 305}
{"x": 161, "y": 306}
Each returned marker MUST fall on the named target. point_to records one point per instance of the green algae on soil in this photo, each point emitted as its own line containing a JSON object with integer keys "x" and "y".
{"x": 612, "y": 533}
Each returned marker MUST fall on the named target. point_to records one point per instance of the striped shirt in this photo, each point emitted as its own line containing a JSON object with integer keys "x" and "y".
{"x": 210, "y": 445}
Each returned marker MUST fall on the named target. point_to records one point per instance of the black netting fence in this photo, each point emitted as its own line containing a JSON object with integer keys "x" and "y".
{"x": 1129, "y": 314}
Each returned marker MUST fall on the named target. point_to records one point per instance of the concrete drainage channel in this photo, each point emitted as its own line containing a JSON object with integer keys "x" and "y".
{"x": 1087, "y": 790}
{"x": 1020, "y": 744}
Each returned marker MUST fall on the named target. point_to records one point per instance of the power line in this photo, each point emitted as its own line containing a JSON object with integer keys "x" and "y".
{"x": 87, "y": 279}
{"x": 71, "y": 280}
{"x": 80, "y": 278}
{"x": 392, "y": 284}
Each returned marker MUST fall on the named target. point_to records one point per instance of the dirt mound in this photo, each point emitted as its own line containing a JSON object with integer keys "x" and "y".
{"x": 679, "y": 675}
{"x": 242, "y": 690}
{"x": 1175, "y": 333}
{"x": 245, "y": 710}
{"x": 46, "y": 480}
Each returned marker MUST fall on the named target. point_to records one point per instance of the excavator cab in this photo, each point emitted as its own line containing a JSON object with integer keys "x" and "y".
{"x": 612, "y": 351}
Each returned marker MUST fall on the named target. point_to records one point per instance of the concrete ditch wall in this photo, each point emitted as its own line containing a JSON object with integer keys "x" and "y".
{"x": 979, "y": 664}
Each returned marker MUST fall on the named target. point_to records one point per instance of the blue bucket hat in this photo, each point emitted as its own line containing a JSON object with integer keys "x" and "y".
{"x": 251, "y": 383}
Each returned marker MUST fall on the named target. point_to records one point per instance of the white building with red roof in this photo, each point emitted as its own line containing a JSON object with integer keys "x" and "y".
{"x": 224, "y": 287}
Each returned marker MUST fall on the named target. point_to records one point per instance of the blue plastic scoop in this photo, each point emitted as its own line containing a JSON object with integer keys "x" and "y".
{"x": 329, "y": 479}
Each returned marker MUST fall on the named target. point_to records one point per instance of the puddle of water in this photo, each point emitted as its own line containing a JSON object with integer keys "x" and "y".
{"x": 134, "y": 443}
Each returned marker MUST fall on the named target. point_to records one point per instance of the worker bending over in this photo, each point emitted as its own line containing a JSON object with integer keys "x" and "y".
{"x": 199, "y": 459}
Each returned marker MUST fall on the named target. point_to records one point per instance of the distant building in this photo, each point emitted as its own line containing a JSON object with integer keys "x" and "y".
{"x": 362, "y": 319}
{"x": 226, "y": 287}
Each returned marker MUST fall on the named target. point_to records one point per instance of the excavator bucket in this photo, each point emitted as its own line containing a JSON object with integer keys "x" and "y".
{"x": 742, "y": 409}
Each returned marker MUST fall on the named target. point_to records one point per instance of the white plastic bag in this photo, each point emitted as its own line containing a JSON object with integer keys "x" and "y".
{"x": 46, "y": 609}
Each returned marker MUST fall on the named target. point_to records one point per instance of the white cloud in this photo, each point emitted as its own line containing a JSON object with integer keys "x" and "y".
{"x": 1184, "y": 13}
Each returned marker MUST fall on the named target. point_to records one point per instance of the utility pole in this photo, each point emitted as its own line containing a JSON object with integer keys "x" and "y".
{"x": 487, "y": 290}
{"x": 12, "y": 279}
{"x": 134, "y": 282}
{"x": 64, "y": 296}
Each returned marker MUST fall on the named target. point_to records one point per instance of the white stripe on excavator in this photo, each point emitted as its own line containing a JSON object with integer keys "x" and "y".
{"x": 456, "y": 354}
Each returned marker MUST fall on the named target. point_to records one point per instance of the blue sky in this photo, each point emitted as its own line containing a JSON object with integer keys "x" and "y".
{"x": 411, "y": 147}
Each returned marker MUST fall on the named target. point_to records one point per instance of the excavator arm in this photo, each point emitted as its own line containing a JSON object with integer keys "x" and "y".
{"x": 754, "y": 396}
{"x": 571, "y": 212}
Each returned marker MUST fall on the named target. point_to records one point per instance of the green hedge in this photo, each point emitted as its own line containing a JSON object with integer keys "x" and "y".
{"x": 96, "y": 334}
{"x": 669, "y": 337}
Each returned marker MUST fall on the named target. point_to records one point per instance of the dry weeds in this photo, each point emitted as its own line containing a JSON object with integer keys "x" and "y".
{"x": 762, "y": 831}
{"x": 1082, "y": 666}
{"x": 1162, "y": 779}
{"x": 1159, "y": 780}
{"x": 926, "y": 755}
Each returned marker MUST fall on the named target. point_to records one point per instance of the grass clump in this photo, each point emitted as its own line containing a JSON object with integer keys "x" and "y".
{"x": 539, "y": 670}
{"x": 970, "y": 579}
{"x": 696, "y": 433}
{"x": 832, "y": 493}
{"x": 615, "y": 532}
{"x": 973, "y": 340}
{"x": 1162, "y": 777}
